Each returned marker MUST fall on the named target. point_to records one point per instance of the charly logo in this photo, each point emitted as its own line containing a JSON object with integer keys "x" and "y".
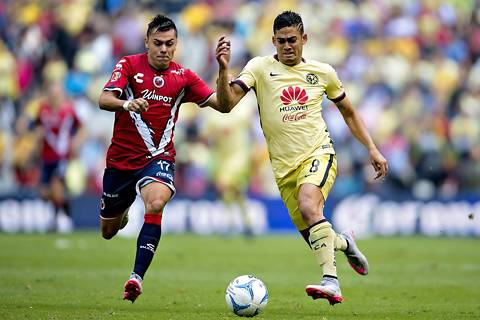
{"x": 158, "y": 81}
{"x": 294, "y": 94}
{"x": 138, "y": 77}
{"x": 312, "y": 78}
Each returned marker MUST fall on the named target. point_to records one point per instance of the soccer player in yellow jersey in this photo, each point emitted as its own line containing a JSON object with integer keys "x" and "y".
{"x": 289, "y": 91}
{"x": 231, "y": 149}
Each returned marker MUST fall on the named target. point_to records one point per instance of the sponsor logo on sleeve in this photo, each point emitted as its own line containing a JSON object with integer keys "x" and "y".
{"x": 119, "y": 64}
{"x": 178, "y": 72}
{"x": 115, "y": 76}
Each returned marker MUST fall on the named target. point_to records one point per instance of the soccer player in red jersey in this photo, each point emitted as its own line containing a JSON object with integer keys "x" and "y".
{"x": 145, "y": 92}
{"x": 60, "y": 132}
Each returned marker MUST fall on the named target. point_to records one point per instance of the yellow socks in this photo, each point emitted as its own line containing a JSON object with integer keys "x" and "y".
{"x": 340, "y": 243}
{"x": 323, "y": 241}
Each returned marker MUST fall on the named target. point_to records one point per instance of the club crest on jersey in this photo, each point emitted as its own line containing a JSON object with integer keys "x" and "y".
{"x": 294, "y": 94}
{"x": 312, "y": 78}
{"x": 158, "y": 81}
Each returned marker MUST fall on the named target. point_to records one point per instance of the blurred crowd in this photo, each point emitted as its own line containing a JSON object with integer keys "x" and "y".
{"x": 412, "y": 68}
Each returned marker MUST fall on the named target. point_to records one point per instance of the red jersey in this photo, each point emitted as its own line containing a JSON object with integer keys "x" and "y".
{"x": 59, "y": 127}
{"x": 139, "y": 138}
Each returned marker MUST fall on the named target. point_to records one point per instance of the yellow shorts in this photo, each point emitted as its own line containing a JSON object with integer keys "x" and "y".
{"x": 320, "y": 170}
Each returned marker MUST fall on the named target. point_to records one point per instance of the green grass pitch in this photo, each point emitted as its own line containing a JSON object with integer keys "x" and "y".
{"x": 81, "y": 276}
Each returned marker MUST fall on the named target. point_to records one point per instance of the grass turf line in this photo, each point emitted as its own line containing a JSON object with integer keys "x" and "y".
{"x": 81, "y": 276}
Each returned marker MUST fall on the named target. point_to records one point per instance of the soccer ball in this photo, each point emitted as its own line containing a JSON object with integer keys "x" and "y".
{"x": 246, "y": 296}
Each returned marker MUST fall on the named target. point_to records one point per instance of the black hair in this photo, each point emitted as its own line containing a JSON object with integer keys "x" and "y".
{"x": 288, "y": 19}
{"x": 161, "y": 23}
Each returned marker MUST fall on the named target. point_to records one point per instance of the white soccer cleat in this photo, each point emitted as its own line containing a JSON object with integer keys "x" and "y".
{"x": 327, "y": 289}
{"x": 356, "y": 259}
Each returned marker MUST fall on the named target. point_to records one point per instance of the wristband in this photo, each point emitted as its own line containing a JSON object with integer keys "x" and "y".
{"x": 126, "y": 104}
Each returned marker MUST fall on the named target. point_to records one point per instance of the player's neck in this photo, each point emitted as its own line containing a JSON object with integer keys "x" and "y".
{"x": 162, "y": 68}
{"x": 291, "y": 64}
{"x": 159, "y": 68}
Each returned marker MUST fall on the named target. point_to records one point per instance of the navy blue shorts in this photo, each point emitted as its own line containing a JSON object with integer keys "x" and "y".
{"x": 120, "y": 187}
{"x": 53, "y": 169}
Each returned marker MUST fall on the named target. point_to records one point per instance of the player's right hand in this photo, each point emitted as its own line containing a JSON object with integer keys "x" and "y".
{"x": 138, "y": 105}
{"x": 223, "y": 51}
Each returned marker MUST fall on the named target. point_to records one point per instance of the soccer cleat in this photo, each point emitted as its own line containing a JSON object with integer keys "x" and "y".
{"x": 356, "y": 259}
{"x": 133, "y": 288}
{"x": 327, "y": 289}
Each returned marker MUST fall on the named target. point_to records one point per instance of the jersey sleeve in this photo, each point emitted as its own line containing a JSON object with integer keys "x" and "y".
{"x": 77, "y": 121}
{"x": 334, "y": 89}
{"x": 36, "y": 117}
{"x": 76, "y": 118}
{"x": 197, "y": 90}
{"x": 119, "y": 79}
{"x": 246, "y": 79}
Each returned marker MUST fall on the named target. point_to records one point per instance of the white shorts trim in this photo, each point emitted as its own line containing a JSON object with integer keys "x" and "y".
{"x": 147, "y": 180}
{"x": 103, "y": 218}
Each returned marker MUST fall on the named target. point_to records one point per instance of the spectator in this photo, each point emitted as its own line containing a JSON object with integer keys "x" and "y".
{"x": 413, "y": 66}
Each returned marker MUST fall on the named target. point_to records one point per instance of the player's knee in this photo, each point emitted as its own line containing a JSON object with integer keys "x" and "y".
{"x": 108, "y": 232}
{"x": 307, "y": 208}
{"x": 155, "y": 205}
{"x": 108, "y": 235}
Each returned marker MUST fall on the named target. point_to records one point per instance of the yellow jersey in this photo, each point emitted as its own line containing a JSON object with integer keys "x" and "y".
{"x": 231, "y": 145}
{"x": 290, "y": 106}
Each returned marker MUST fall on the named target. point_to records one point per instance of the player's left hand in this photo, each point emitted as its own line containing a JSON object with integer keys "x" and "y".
{"x": 379, "y": 163}
{"x": 223, "y": 51}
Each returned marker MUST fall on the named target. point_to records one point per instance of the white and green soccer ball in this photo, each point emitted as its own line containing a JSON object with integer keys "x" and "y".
{"x": 246, "y": 296}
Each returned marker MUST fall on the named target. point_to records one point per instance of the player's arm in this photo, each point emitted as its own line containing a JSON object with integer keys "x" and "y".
{"x": 39, "y": 131}
{"x": 109, "y": 101}
{"x": 228, "y": 93}
{"x": 79, "y": 137}
{"x": 360, "y": 132}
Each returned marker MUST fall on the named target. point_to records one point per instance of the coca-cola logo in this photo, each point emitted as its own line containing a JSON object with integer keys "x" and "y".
{"x": 294, "y": 94}
{"x": 293, "y": 117}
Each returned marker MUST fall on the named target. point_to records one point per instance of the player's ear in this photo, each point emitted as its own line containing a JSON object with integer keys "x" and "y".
{"x": 304, "y": 38}
{"x": 273, "y": 39}
{"x": 146, "y": 42}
